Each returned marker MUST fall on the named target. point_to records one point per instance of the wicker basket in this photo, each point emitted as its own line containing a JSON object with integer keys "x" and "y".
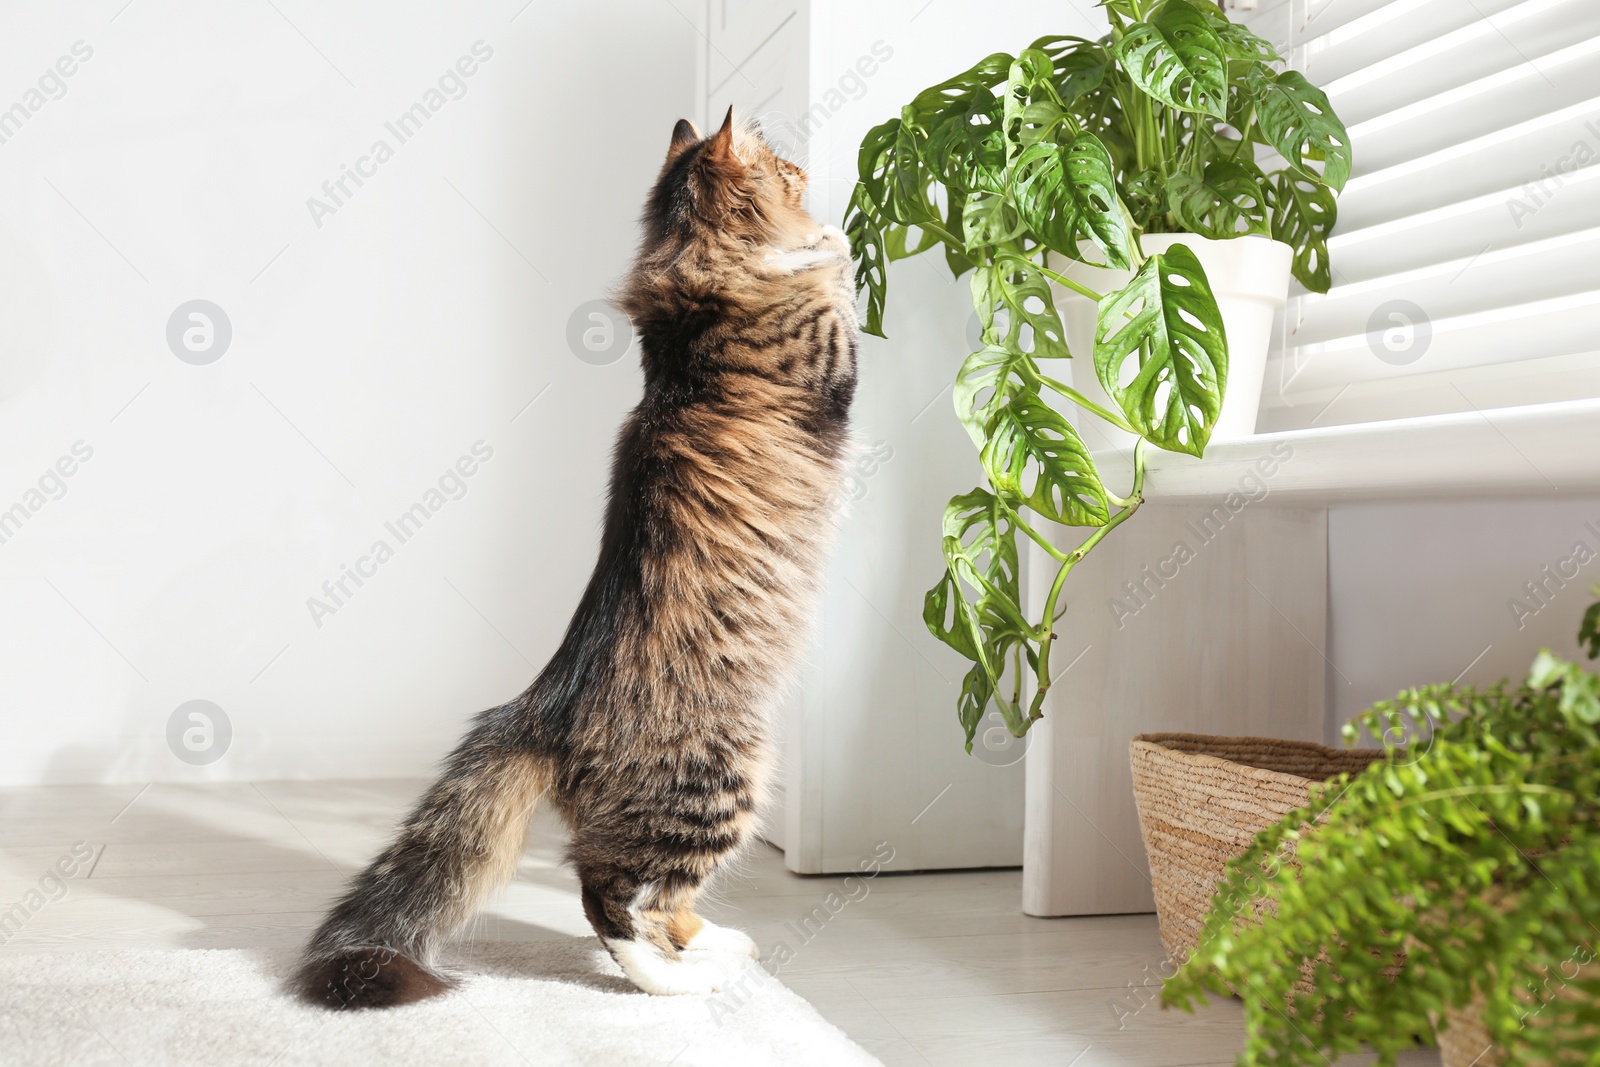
{"x": 1466, "y": 1043}
{"x": 1202, "y": 800}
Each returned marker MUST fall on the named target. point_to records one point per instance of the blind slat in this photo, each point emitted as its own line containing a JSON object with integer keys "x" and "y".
{"x": 1474, "y": 206}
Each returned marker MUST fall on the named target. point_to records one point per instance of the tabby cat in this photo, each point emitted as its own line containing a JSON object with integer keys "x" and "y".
{"x": 648, "y": 730}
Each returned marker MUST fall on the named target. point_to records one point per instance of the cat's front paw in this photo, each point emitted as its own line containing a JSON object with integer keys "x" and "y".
{"x": 659, "y": 975}
{"x": 832, "y": 239}
{"x": 714, "y": 938}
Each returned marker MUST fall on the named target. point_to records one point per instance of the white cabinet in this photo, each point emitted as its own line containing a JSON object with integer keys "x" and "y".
{"x": 873, "y": 752}
{"x": 1361, "y": 560}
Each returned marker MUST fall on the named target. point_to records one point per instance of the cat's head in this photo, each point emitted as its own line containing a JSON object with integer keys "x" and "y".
{"x": 730, "y": 183}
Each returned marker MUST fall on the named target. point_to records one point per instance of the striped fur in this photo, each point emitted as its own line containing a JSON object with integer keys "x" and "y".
{"x": 648, "y": 730}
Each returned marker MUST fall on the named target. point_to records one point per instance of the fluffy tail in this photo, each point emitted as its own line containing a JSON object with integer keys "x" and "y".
{"x": 462, "y": 841}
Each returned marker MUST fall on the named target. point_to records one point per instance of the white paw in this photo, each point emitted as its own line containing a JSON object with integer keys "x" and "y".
{"x": 797, "y": 262}
{"x": 834, "y": 240}
{"x": 650, "y": 970}
{"x": 714, "y": 938}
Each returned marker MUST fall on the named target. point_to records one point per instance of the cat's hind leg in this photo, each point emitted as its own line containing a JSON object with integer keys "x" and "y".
{"x": 377, "y": 946}
{"x": 689, "y": 931}
{"x": 646, "y": 927}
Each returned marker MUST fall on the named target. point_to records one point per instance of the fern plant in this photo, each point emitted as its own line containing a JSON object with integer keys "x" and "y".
{"x": 1461, "y": 870}
{"x": 1076, "y": 148}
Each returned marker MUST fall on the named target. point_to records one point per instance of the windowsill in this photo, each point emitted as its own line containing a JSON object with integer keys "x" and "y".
{"x": 1542, "y": 450}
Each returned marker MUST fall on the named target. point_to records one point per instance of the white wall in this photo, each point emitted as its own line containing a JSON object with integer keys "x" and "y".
{"x": 367, "y": 355}
{"x": 1428, "y": 592}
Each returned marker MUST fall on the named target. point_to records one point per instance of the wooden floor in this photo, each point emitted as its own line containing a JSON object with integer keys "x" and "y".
{"x": 921, "y": 969}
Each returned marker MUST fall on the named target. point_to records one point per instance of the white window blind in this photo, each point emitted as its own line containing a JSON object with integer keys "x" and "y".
{"x": 1467, "y": 253}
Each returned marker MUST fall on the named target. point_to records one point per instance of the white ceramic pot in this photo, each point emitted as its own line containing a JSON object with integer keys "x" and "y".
{"x": 1249, "y": 276}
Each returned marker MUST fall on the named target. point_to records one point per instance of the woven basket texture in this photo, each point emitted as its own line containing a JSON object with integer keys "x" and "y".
{"x": 1202, "y": 800}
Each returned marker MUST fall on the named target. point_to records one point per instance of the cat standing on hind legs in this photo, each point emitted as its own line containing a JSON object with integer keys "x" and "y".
{"x": 648, "y": 730}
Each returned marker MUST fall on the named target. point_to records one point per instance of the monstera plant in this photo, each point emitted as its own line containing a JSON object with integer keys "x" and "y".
{"x": 1075, "y": 148}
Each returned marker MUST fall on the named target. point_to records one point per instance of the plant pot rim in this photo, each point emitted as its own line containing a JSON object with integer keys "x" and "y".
{"x": 1247, "y": 267}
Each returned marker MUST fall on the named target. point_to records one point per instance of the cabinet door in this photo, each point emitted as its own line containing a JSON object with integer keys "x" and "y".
{"x": 756, "y": 62}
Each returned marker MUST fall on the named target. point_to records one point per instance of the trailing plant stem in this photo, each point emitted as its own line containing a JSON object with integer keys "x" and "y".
{"x": 1063, "y": 280}
{"x": 1046, "y": 635}
{"x": 1034, "y": 536}
{"x": 1078, "y": 398}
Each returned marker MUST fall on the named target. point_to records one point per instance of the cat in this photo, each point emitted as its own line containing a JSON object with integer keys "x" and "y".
{"x": 648, "y": 730}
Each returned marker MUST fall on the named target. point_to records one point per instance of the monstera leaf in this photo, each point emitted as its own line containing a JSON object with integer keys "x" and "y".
{"x": 1033, "y": 455}
{"x": 1167, "y": 322}
{"x": 1296, "y": 119}
{"x": 1032, "y": 110}
{"x": 1177, "y": 58}
{"x": 976, "y": 693}
{"x": 964, "y": 142}
{"x": 989, "y": 218}
{"x": 980, "y": 550}
{"x": 865, "y": 232}
{"x": 1012, "y": 287}
{"x": 980, "y": 547}
{"x": 891, "y": 168}
{"x": 1303, "y": 214}
{"x": 1079, "y": 65}
{"x": 1237, "y": 41}
{"x": 1225, "y": 202}
{"x": 988, "y": 380}
{"x": 1067, "y": 192}
{"x": 938, "y": 102}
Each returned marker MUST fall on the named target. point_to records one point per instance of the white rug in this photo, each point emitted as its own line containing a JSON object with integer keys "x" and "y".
{"x": 548, "y": 1003}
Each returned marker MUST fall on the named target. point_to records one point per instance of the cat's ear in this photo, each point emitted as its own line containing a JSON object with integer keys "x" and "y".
{"x": 721, "y": 147}
{"x": 683, "y": 135}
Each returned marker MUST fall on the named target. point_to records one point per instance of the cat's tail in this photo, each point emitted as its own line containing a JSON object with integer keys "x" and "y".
{"x": 461, "y": 842}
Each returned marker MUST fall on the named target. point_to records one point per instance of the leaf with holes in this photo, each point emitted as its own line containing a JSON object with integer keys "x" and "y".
{"x": 1177, "y": 58}
{"x": 1303, "y": 214}
{"x": 1296, "y": 119}
{"x": 934, "y": 103}
{"x": 987, "y": 381}
{"x": 865, "y": 232}
{"x": 1167, "y": 321}
{"x": 1035, "y": 457}
{"x": 980, "y": 548}
{"x": 1017, "y": 288}
{"x": 1226, "y": 202}
{"x": 989, "y": 218}
{"x": 1238, "y": 42}
{"x": 1032, "y": 111}
{"x": 964, "y": 144}
{"x": 979, "y": 691}
{"x": 1066, "y": 193}
{"x": 1078, "y": 66}
{"x": 948, "y": 616}
{"x": 875, "y": 164}
{"x": 889, "y": 166}
{"x": 976, "y": 692}
{"x": 897, "y": 241}
{"x": 1145, "y": 196}
{"x": 910, "y": 180}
